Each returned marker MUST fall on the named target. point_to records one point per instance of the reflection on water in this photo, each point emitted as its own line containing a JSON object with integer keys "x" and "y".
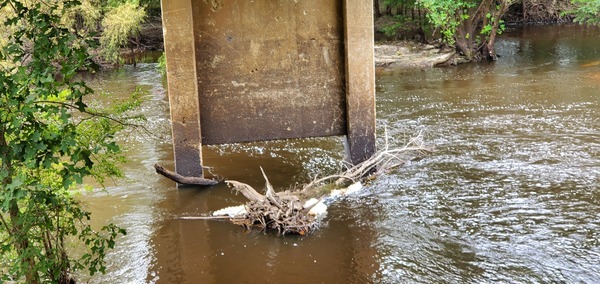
{"x": 511, "y": 196}
{"x": 130, "y": 202}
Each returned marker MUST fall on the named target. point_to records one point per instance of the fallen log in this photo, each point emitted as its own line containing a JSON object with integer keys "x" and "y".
{"x": 184, "y": 179}
{"x": 227, "y": 218}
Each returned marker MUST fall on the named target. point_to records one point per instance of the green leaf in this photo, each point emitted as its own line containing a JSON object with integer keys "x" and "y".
{"x": 15, "y": 183}
{"x": 46, "y": 147}
{"x": 112, "y": 147}
{"x": 80, "y": 105}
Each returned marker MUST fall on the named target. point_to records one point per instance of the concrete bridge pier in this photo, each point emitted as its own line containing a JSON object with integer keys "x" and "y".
{"x": 241, "y": 71}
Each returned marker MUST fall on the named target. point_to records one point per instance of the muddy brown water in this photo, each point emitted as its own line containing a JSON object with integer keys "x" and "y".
{"x": 511, "y": 196}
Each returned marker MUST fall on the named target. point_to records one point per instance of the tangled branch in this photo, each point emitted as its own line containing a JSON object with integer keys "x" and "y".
{"x": 383, "y": 160}
{"x": 286, "y": 212}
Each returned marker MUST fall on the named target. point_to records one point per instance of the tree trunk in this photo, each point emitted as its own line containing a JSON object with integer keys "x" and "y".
{"x": 376, "y": 9}
{"x": 22, "y": 243}
{"x": 524, "y": 11}
{"x": 133, "y": 56}
{"x": 468, "y": 34}
{"x": 490, "y": 51}
{"x": 15, "y": 228}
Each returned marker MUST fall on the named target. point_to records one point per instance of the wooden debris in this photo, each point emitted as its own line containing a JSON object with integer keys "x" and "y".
{"x": 281, "y": 212}
{"x": 383, "y": 160}
{"x": 286, "y": 212}
{"x": 184, "y": 179}
{"x": 231, "y": 211}
{"x": 246, "y": 190}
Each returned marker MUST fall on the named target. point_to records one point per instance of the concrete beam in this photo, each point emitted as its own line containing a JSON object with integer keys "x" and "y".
{"x": 360, "y": 79}
{"x": 269, "y": 69}
{"x": 178, "y": 23}
{"x": 261, "y": 70}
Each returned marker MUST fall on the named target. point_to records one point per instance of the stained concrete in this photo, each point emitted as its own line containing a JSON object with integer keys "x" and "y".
{"x": 270, "y": 69}
{"x": 182, "y": 86}
{"x": 360, "y": 79}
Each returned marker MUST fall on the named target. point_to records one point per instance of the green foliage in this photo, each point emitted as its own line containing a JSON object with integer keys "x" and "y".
{"x": 152, "y": 6}
{"x": 118, "y": 26}
{"x": 447, "y": 15}
{"x": 391, "y": 29}
{"x": 116, "y": 21}
{"x": 397, "y": 3}
{"x": 162, "y": 64}
{"x": 470, "y": 25}
{"x": 83, "y": 17}
{"x": 408, "y": 18}
{"x": 50, "y": 140}
{"x": 588, "y": 11}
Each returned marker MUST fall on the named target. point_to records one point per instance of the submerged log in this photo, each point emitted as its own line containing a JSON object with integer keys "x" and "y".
{"x": 184, "y": 179}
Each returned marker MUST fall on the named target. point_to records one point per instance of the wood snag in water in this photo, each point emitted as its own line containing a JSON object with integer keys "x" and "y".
{"x": 284, "y": 211}
{"x": 300, "y": 211}
{"x": 183, "y": 179}
{"x": 281, "y": 212}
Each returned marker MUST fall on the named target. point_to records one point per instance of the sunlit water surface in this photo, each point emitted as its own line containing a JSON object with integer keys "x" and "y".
{"x": 512, "y": 194}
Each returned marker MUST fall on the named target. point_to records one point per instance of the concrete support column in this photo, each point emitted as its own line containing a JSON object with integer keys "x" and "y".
{"x": 360, "y": 78}
{"x": 178, "y": 29}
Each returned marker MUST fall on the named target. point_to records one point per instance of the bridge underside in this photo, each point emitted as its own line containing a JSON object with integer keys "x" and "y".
{"x": 242, "y": 71}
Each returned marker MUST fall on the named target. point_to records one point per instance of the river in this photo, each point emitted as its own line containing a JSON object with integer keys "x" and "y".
{"x": 512, "y": 194}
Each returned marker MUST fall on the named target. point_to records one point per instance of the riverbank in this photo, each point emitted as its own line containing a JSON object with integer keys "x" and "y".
{"x": 408, "y": 54}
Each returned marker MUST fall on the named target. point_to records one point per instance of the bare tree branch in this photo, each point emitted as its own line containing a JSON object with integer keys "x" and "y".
{"x": 184, "y": 179}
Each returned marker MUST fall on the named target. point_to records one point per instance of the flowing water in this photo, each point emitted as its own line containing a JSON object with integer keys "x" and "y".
{"x": 512, "y": 194}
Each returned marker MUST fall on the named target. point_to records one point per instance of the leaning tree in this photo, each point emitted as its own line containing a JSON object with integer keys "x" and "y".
{"x": 470, "y": 25}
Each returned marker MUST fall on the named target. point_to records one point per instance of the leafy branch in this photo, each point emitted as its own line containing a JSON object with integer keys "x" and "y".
{"x": 50, "y": 141}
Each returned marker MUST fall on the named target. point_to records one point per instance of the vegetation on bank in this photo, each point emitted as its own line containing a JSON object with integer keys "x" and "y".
{"x": 587, "y": 11}
{"x": 471, "y": 26}
{"x": 50, "y": 141}
{"x": 114, "y": 25}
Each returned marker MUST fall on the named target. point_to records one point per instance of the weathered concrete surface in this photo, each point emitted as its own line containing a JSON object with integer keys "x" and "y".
{"x": 182, "y": 86}
{"x": 360, "y": 79}
{"x": 269, "y": 69}
{"x": 244, "y": 70}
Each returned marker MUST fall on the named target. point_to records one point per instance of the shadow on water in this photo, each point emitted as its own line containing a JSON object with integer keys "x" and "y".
{"x": 511, "y": 196}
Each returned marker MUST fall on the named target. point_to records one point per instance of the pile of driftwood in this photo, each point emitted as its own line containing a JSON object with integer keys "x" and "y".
{"x": 300, "y": 211}
{"x": 282, "y": 211}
